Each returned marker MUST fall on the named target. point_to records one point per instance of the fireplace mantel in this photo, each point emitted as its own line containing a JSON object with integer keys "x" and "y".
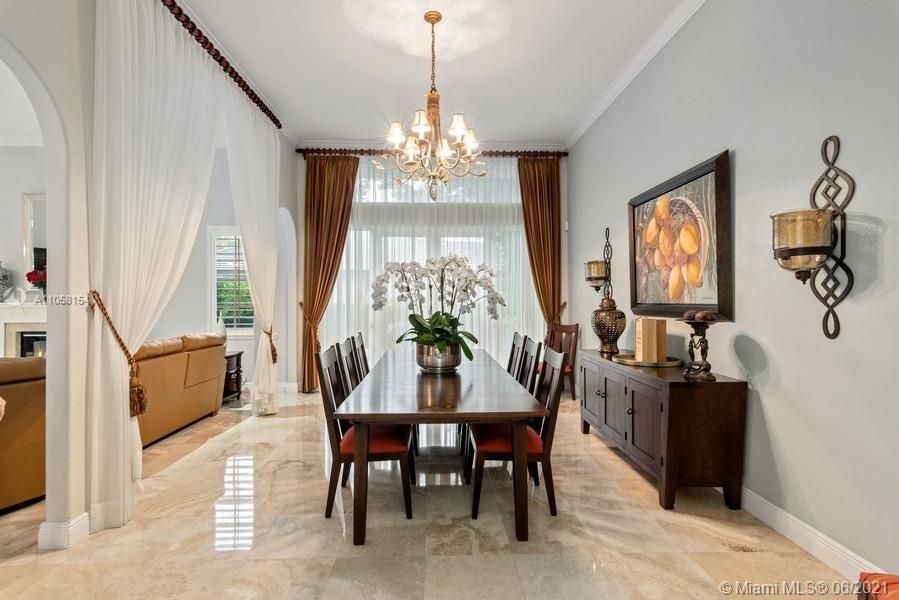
{"x": 19, "y": 317}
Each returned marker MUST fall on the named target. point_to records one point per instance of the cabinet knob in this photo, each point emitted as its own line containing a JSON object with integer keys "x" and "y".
{"x": 630, "y": 411}
{"x": 600, "y": 393}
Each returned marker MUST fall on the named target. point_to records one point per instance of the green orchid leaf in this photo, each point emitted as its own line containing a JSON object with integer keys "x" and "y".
{"x": 471, "y": 337}
{"x": 465, "y": 349}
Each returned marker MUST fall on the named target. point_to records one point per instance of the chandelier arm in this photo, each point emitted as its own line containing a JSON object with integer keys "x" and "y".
{"x": 404, "y": 169}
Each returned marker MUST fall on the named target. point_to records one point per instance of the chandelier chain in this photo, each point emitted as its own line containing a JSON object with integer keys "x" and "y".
{"x": 433, "y": 59}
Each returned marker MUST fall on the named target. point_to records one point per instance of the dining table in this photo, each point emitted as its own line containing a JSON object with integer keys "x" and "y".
{"x": 396, "y": 391}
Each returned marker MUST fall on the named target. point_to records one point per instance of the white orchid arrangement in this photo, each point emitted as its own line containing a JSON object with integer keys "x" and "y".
{"x": 447, "y": 283}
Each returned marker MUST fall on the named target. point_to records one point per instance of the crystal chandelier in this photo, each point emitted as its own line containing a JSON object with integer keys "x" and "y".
{"x": 427, "y": 155}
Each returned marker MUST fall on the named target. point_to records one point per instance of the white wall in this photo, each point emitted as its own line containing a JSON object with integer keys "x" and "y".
{"x": 770, "y": 80}
{"x": 23, "y": 170}
{"x": 49, "y": 45}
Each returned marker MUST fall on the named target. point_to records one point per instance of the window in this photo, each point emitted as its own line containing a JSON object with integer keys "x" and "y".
{"x": 233, "y": 302}
{"x": 478, "y": 217}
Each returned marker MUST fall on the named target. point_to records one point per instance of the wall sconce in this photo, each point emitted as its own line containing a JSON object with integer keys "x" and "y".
{"x": 608, "y": 322}
{"x": 812, "y": 242}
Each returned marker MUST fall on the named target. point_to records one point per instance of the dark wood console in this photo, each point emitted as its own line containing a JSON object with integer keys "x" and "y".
{"x": 683, "y": 433}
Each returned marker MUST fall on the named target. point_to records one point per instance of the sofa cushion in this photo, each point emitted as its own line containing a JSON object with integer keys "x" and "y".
{"x": 196, "y": 341}
{"x": 205, "y": 364}
{"x": 159, "y": 348}
{"x": 13, "y": 370}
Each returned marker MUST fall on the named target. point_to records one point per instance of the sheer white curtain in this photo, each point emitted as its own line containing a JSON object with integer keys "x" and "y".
{"x": 480, "y": 218}
{"x": 154, "y": 142}
{"x": 254, "y": 162}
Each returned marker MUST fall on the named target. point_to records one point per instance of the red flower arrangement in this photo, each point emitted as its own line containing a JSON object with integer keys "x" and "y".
{"x": 38, "y": 279}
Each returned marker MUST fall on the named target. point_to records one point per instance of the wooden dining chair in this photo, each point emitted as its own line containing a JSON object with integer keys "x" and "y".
{"x": 530, "y": 355}
{"x": 494, "y": 442}
{"x": 514, "y": 364}
{"x": 513, "y": 367}
{"x": 361, "y": 355}
{"x": 386, "y": 442}
{"x": 348, "y": 363}
{"x": 563, "y": 338}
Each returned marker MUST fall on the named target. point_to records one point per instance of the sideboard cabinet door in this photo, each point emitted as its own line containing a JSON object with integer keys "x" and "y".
{"x": 590, "y": 389}
{"x": 644, "y": 420}
{"x": 613, "y": 414}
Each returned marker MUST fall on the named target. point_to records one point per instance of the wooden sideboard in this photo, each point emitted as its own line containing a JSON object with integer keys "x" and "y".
{"x": 682, "y": 433}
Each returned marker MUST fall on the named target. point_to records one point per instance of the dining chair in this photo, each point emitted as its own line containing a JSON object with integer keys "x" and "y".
{"x": 386, "y": 442}
{"x": 513, "y": 367}
{"x": 514, "y": 364}
{"x": 530, "y": 355}
{"x": 494, "y": 442}
{"x": 348, "y": 364}
{"x": 361, "y": 355}
{"x": 563, "y": 338}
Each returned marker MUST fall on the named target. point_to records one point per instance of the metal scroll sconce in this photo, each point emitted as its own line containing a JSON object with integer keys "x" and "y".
{"x": 812, "y": 242}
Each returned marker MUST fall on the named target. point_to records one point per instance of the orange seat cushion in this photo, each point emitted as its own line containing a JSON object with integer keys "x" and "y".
{"x": 880, "y": 586}
{"x": 382, "y": 439}
{"x": 498, "y": 438}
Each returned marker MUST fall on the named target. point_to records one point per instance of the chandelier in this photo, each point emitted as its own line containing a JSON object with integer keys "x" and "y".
{"x": 425, "y": 155}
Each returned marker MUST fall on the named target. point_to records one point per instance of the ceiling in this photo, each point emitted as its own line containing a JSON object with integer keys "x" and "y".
{"x": 524, "y": 72}
{"x": 18, "y": 122}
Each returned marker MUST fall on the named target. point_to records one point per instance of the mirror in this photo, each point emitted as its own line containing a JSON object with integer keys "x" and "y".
{"x": 34, "y": 213}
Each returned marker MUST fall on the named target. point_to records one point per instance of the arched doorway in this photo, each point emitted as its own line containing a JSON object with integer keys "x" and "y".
{"x": 65, "y": 521}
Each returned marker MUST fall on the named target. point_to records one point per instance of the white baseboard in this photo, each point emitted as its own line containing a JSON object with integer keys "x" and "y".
{"x": 58, "y": 536}
{"x": 833, "y": 554}
{"x": 288, "y": 387}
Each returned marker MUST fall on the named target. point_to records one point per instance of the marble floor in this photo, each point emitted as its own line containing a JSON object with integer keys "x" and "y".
{"x": 234, "y": 508}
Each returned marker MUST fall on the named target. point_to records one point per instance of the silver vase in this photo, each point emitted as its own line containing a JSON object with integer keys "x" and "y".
{"x": 432, "y": 360}
{"x": 5, "y": 283}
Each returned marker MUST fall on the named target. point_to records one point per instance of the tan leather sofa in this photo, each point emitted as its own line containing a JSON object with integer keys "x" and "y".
{"x": 22, "y": 386}
{"x": 184, "y": 378}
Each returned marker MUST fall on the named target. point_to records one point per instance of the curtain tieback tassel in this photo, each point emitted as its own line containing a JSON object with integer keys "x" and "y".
{"x": 271, "y": 343}
{"x": 138, "y": 393}
{"x": 139, "y": 400}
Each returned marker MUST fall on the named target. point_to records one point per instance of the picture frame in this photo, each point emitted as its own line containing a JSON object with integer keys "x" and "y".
{"x": 680, "y": 244}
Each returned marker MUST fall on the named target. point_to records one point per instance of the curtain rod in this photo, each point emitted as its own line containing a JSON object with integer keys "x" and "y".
{"x": 377, "y": 152}
{"x": 218, "y": 57}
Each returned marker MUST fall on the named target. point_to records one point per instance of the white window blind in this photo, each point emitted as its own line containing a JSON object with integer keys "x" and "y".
{"x": 232, "y": 287}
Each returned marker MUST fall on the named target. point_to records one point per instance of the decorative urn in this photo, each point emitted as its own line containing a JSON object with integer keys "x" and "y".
{"x": 608, "y": 324}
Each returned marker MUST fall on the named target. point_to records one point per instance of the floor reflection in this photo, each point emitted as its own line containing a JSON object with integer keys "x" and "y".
{"x": 234, "y": 510}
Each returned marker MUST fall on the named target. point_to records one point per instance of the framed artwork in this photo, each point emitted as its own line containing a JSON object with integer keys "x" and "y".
{"x": 681, "y": 244}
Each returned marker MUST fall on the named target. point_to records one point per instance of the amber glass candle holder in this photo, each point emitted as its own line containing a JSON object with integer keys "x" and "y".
{"x": 596, "y": 273}
{"x": 802, "y": 240}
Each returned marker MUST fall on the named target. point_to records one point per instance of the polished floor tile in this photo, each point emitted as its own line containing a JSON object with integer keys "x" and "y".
{"x": 233, "y": 507}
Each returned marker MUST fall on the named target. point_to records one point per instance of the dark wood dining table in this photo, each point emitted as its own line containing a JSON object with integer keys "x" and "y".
{"x": 397, "y": 392}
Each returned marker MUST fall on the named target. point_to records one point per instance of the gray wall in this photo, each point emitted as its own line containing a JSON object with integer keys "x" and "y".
{"x": 770, "y": 80}
{"x": 22, "y": 171}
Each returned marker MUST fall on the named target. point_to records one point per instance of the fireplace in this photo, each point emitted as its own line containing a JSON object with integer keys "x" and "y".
{"x": 31, "y": 343}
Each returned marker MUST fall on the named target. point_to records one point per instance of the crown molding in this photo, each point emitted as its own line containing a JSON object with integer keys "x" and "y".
{"x": 379, "y": 144}
{"x": 678, "y": 17}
